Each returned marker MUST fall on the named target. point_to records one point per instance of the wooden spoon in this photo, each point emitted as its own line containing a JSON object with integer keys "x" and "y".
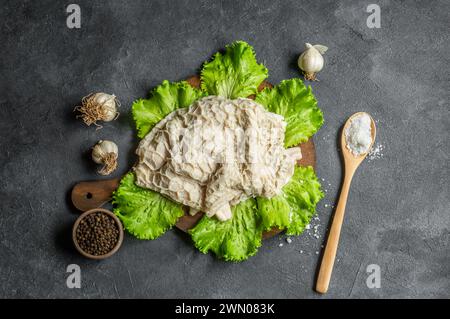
{"x": 351, "y": 163}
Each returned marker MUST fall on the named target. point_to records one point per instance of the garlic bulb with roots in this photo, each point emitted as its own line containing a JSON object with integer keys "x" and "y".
{"x": 98, "y": 107}
{"x": 106, "y": 153}
{"x": 311, "y": 60}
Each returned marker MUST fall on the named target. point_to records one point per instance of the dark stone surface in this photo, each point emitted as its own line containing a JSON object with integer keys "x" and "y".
{"x": 398, "y": 211}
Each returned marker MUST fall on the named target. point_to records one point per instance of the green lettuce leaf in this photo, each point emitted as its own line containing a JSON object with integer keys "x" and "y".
{"x": 233, "y": 240}
{"x": 295, "y": 206}
{"x": 236, "y": 73}
{"x": 293, "y": 100}
{"x": 274, "y": 212}
{"x": 143, "y": 212}
{"x": 164, "y": 99}
{"x": 303, "y": 192}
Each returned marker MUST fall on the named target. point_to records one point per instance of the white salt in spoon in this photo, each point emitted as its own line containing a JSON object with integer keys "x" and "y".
{"x": 351, "y": 163}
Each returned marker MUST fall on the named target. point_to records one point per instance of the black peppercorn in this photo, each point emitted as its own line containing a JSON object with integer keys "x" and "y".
{"x": 97, "y": 234}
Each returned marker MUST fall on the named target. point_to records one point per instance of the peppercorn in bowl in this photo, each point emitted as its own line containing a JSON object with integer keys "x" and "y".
{"x": 97, "y": 234}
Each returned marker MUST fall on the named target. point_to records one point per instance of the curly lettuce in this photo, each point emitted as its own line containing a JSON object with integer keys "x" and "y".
{"x": 293, "y": 100}
{"x": 164, "y": 99}
{"x": 144, "y": 213}
{"x": 235, "y": 73}
{"x": 233, "y": 240}
{"x": 295, "y": 206}
{"x": 274, "y": 212}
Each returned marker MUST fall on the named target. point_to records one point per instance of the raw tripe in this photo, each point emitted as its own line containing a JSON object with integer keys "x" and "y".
{"x": 215, "y": 154}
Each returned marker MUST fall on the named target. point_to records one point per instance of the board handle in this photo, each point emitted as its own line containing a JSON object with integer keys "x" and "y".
{"x": 93, "y": 194}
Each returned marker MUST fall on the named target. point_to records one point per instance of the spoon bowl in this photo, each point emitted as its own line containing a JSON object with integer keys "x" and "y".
{"x": 351, "y": 160}
{"x": 351, "y": 163}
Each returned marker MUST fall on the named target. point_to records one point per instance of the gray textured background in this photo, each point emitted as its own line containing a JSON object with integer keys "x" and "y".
{"x": 398, "y": 214}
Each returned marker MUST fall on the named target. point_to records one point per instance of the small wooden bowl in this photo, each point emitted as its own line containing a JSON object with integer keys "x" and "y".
{"x": 119, "y": 241}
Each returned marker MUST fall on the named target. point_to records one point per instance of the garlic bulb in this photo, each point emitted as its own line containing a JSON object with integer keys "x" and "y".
{"x": 106, "y": 153}
{"x": 98, "y": 107}
{"x": 311, "y": 60}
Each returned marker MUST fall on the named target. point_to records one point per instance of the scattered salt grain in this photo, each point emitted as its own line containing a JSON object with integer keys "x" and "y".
{"x": 308, "y": 227}
{"x": 317, "y": 252}
{"x": 376, "y": 152}
{"x": 289, "y": 240}
{"x": 316, "y": 231}
{"x": 280, "y": 245}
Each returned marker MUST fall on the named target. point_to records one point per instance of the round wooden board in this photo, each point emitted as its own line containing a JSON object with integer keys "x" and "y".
{"x": 94, "y": 194}
{"x": 308, "y": 159}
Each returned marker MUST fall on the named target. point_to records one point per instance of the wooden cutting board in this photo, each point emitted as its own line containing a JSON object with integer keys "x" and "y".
{"x": 93, "y": 194}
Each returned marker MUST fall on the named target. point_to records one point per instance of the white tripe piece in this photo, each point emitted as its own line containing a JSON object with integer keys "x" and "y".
{"x": 215, "y": 154}
{"x": 358, "y": 134}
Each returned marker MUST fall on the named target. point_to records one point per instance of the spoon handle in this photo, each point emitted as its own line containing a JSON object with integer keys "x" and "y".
{"x": 326, "y": 267}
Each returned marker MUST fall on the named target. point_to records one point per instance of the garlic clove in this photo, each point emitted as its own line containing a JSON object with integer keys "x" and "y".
{"x": 311, "y": 60}
{"x": 106, "y": 153}
{"x": 98, "y": 107}
{"x": 109, "y": 105}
